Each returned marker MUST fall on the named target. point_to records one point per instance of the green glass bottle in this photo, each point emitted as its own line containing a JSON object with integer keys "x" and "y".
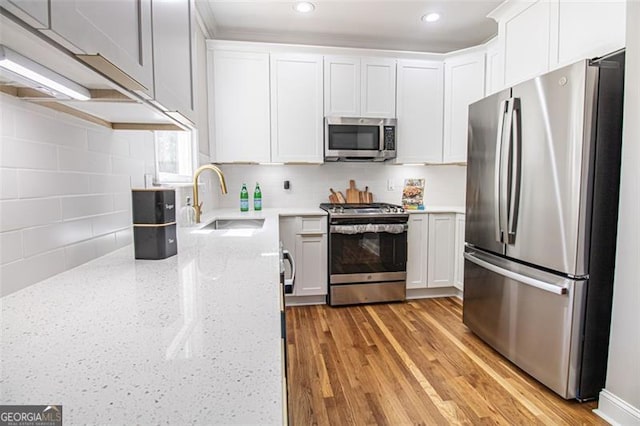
{"x": 244, "y": 198}
{"x": 257, "y": 198}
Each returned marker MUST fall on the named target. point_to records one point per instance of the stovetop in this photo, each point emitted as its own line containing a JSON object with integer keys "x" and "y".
{"x": 373, "y": 209}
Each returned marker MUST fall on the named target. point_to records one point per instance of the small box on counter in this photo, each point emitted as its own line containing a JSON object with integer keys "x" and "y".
{"x": 154, "y": 223}
{"x": 155, "y": 242}
{"x": 153, "y": 205}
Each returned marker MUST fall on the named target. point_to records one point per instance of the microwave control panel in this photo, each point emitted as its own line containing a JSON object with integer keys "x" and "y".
{"x": 390, "y": 138}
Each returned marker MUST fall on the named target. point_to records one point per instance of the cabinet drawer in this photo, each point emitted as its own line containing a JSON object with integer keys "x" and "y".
{"x": 312, "y": 225}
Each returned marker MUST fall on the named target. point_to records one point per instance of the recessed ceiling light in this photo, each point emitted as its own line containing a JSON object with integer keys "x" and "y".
{"x": 430, "y": 17}
{"x": 303, "y": 7}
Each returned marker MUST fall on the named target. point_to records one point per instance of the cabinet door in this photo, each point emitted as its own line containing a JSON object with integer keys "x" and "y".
{"x": 341, "y": 86}
{"x": 420, "y": 104}
{"x": 526, "y": 51}
{"x": 417, "y": 247}
{"x": 240, "y": 96}
{"x": 120, "y": 31}
{"x": 33, "y": 12}
{"x": 296, "y": 108}
{"x": 463, "y": 85}
{"x": 378, "y": 88}
{"x": 172, "y": 56}
{"x": 458, "y": 281}
{"x": 440, "y": 266}
{"x": 494, "y": 78}
{"x": 311, "y": 265}
{"x": 586, "y": 30}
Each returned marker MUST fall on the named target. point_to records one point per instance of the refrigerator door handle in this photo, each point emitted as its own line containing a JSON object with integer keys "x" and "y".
{"x": 559, "y": 290}
{"x": 516, "y": 164}
{"x": 497, "y": 204}
{"x": 505, "y": 173}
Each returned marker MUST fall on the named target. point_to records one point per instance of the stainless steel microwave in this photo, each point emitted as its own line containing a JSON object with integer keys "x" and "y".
{"x": 359, "y": 139}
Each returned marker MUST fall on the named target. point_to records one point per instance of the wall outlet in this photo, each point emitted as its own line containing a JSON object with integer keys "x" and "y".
{"x": 391, "y": 185}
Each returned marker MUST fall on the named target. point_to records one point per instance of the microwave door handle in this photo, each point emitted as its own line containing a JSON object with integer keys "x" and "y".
{"x": 516, "y": 165}
{"x": 498, "y": 170}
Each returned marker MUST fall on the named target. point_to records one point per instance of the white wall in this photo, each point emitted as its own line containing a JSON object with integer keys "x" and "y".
{"x": 444, "y": 185}
{"x": 620, "y": 401}
{"x": 65, "y": 193}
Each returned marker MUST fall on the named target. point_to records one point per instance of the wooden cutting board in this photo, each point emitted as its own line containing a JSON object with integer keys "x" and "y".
{"x": 337, "y": 196}
{"x": 353, "y": 195}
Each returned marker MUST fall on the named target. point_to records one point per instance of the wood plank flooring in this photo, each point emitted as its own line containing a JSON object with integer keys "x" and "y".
{"x": 409, "y": 363}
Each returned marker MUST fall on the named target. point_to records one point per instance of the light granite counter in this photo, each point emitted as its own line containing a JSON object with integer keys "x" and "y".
{"x": 195, "y": 338}
{"x": 439, "y": 209}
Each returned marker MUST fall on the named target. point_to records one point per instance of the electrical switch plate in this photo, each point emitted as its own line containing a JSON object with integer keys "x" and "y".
{"x": 391, "y": 186}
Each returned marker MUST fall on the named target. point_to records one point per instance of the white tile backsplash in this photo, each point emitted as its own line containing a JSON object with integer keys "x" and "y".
{"x": 51, "y": 127}
{"x": 309, "y": 184}
{"x": 111, "y": 222}
{"x": 45, "y": 238}
{"x": 8, "y": 184}
{"x": 83, "y": 161}
{"x": 18, "y": 214}
{"x": 17, "y": 275}
{"x": 10, "y": 246}
{"x": 86, "y": 205}
{"x": 65, "y": 190}
{"x": 22, "y": 154}
{"x": 35, "y": 184}
{"x": 109, "y": 183}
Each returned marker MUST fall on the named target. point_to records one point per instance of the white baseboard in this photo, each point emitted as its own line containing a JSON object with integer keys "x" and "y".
{"x": 425, "y": 293}
{"x": 616, "y": 411}
{"x": 305, "y": 300}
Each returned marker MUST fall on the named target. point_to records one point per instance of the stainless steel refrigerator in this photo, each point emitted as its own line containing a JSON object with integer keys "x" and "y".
{"x": 541, "y": 217}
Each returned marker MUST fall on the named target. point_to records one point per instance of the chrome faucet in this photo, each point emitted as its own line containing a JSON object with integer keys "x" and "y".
{"x": 197, "y": 205}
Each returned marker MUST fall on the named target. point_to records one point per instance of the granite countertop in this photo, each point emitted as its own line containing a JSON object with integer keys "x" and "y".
{"x": 439, "y": 209}
{"x": 195, "y": 338}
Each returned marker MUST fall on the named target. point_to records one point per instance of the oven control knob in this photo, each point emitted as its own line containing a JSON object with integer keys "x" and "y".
{"x": 387, "y": 209}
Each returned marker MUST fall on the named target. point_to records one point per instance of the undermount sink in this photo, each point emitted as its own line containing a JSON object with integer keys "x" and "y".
{"x": 235, "y": 224}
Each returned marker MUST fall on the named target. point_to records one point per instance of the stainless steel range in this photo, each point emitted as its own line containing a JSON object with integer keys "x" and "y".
{"x": 367, "y": 253}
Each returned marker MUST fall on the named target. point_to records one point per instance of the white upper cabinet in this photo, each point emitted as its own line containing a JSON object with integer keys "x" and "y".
{"x": 33, "y": 12}
{"x": 420, "y": 109}
{"x": 378, "y": 88}
{"x": 359, "y": 87}
{"x": 526, "y": 38}
{"x": 586, "y": 29}
{"x": 239, "y": 106}
{"x": 494, "y": 75}
{"x": 118, "y": 31}
{"x": 296, "y": 108}
{"x": 536, "y": 37}
{"x": 172, "y": 56}
{"x": 342, "y": 86}
{"x": 463, "y": 84}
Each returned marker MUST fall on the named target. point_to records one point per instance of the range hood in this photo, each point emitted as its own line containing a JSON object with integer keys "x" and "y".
{"x": 37, "y": 69}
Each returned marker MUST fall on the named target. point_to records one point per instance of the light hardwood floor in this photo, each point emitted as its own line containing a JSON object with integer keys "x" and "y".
{"x": 409, "y": 363}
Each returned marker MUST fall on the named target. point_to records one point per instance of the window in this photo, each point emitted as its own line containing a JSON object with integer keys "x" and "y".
{"x": 175, "y": 159}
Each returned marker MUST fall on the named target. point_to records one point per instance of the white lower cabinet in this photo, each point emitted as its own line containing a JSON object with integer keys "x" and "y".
{"x": 417, "y": 249}
{"x": 458, "y": 281}
{"x": 306, "y": 239}
{"x": 441, "y": 245}
{"x": 432, "y": 249}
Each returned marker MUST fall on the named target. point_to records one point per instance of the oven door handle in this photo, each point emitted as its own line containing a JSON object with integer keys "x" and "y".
{"x": 391, "y": 228}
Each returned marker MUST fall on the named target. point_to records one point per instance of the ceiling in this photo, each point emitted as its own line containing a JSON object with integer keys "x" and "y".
{"x": 390, "y": 24}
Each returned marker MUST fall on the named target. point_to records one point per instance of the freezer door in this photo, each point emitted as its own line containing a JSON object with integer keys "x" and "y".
{"x": 531, "y": 317}
{"x": 486, "y": 133}
{"x": 550, "y": 166}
